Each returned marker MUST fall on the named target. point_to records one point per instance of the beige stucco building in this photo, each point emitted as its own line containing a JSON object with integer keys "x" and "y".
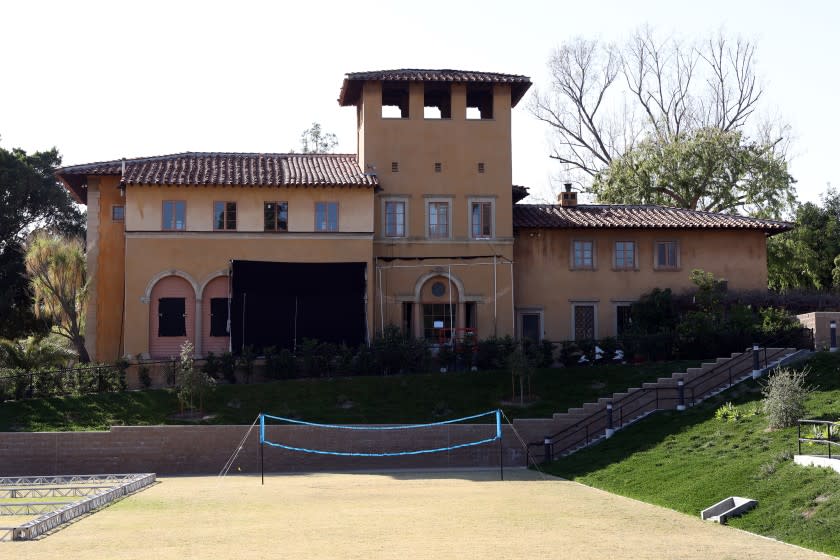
{"x": 419, "y": 229}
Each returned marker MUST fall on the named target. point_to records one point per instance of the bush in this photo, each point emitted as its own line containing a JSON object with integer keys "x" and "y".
{"x": 145, "y": 378}
{"x": 279, "y": 364}
{"x": 228, "y": 365}
{"x": 212, "y": 365}
{"x": 784, "y": 397}
{"x": 246, "y": 362}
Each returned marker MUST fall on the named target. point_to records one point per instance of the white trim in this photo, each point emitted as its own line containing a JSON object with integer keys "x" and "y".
{"x": 147, "y": 295}
{"x": 421, "y": 281}
{"x": 521, "y": 312}
{"x": 384, "y": 215}
{"x": 477, "y": 200}
{"x": 448, "y": 200}
{"x": 210, "y": 278}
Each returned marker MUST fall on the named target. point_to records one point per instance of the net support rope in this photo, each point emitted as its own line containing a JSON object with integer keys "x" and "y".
{"x": 524, "y": 446}
{"x": 263, "y": 440}
{"x": 238, "y": 449}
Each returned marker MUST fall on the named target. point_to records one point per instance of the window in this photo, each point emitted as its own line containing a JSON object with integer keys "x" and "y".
{"x": 224, "y": 215}
{"x": 438, "y": 167}
{"x": 394, "y": 218}
{"x": 326, "y": 216}
{"x": 395, "y": 100}
{"x": 434, "y": 314}
{"x": 583, "y": 255}
{"x": 395, "y": 167}
{"x": 174, "y": 214}
{"x": 583, "y": 321}
{"x": 625, "y": 255}
{"x": 172, "y": 317}
{"x": 219, "y": 323}
{"x": 479, "y": 101}
{"x": 667, "y": 255}
{"x": 531, "y": 326}
{"x": 438, "y": 220}
{"x": 118, "y": 213}
{"x": 481, "y": 167}
{"x": 276, "y": 216}
{"x": 623, "y": 319}
{"x": 437, "y": 100}
{"x": 481, "y": 219}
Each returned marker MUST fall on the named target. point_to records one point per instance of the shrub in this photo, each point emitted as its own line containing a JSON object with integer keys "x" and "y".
{"x": 228, "y": 365}
{"x": 279, "y": 364}
{"x": 145, "y": 378}
{"x": 212, "y": 365}
{"x": 728, "y": 413}
{"x": 246, "y": 362}
{"x": 784, "y": 397}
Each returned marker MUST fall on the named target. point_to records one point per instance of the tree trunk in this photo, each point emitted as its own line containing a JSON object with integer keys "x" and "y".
{"x": 79, "y": 343}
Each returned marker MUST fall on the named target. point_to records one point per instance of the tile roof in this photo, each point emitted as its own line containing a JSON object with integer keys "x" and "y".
{"x": 621, "y": 216}
{"x": 352, "y": 86}
{"x": 211, "y": 168}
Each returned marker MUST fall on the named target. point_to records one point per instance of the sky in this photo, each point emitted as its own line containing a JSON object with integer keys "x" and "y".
{"x": 106, "y": 80}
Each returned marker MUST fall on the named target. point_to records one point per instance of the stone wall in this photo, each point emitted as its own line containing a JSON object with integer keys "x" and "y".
{"x": 819, "y": 323}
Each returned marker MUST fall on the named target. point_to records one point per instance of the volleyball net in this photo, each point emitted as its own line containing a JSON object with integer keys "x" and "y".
{"x": 391, "y": 440}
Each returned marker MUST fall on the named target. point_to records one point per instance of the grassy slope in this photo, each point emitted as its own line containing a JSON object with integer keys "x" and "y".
{"x": 688, "y": 461}
{"x": 399, "y": 398}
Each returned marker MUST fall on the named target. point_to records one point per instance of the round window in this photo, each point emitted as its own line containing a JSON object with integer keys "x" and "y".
{"x": 438, "y": 289}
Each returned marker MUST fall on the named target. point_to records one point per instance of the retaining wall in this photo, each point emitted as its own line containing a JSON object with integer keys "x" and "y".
{"x": 168, "y": 450}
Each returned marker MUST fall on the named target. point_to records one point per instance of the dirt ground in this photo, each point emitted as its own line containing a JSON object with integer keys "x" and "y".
{"x": 431, "y": 515}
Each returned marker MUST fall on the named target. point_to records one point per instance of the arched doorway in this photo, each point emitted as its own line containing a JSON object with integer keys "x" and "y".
{"x": 171, "y": 320}
{"x": 215, "y": 306}
{"x": 438, "y": 305}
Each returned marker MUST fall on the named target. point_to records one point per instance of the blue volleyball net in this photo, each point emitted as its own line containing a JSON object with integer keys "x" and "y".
{"x": 380, "y": 441}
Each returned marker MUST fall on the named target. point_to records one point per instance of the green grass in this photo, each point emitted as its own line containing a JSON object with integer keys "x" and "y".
{"x": 396, "y": 399}
{"x": 689, "y": 460}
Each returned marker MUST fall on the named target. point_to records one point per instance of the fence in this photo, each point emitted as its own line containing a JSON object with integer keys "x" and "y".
{"x": 629, "y": 407}
{"x": 822, "y": 432}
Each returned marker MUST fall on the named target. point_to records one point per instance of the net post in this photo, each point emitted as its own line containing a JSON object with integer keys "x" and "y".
{"x": 262, "y": 449}
{"x": 501, "y": 449}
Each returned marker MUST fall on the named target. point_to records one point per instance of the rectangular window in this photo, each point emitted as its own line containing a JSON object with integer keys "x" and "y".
{"x": 481, "y": 219}
{"x": 394, "y": 218}
{"x": 625, "y": 255}
{"x": 623, "y": 319}
{"x": 172, "y": 317}
{"x": 438, "y": 220}
{"x": 326, "y": 216}
{"x": 224, "y": 215}
{"x": 437, "y": 100}
{"x": 276, "y": 216}
{"x": 118, "y": 213}
{"x": 584, "y": 321}
{"x": 435, "y": 314}
{"x": 219, "y": 324}
{"x": 532, "y": 326}
{"x": 174, "y": 214}
{"x": 479, "y": 101}
{"x": 395, "y": 100}
{"x": 583, "y": 254}
{"x": 438, "y": 167}
{"x": 667, "y": 254}
{"x": 481, "y": 167}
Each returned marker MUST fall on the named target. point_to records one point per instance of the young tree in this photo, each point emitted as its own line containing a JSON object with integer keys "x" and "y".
{"x": 704, "y": 169}
{"x": 313, "y": 140}
{"x": 57, "y": 273}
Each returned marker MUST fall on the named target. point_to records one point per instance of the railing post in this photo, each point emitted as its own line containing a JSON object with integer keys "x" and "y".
{"x": 547, "y": 449}
{"x": 756, "y": 372}
{"x": 681, "y": 394}
{"x": 799, "y": 438}
{"x": 833, "y": 328}
{"x": 610, "y": 431}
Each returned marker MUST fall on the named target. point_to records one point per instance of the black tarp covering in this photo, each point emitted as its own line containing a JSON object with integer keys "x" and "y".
{"x": 275, "y": 302}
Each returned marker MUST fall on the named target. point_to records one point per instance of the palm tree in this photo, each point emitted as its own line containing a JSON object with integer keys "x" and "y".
{"x": 34, "y": 353}
{"x": 58, "y": 276}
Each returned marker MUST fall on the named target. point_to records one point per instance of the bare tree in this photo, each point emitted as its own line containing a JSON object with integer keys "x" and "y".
{"x": 603, "y": 98}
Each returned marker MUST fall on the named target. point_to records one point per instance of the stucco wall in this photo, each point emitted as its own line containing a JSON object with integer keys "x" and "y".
{"x": 110, "y": 272}
{"x": 544, "y": 280}
{"x": 144, "y": 210}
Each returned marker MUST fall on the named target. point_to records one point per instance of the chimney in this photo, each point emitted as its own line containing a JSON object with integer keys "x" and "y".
{"x": 567, "y": 197}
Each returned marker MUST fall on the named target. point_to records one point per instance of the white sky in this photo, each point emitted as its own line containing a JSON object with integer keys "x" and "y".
{"x": 105, "y": 80}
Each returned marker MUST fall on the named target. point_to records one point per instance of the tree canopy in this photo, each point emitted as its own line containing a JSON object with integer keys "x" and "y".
{"x": 681, "y": 105}
{"x": 58, "y": 275}
{"x": 30, "y": 197}
{"x": 705, "y": 169}
{"x": 314, "y": 140}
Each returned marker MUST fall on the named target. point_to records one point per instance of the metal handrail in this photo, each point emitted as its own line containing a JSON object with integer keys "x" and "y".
{"x": 810, "y": 440}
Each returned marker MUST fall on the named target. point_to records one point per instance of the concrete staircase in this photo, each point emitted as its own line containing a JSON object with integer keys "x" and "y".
{"x": 591, "y": 423}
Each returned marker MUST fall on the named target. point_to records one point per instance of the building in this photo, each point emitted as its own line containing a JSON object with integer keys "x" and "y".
{"x": 419, "y": 229}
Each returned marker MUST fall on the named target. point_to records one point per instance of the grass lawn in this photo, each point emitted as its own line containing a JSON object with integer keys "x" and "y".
{"x": 392, "y": 399}
{"x": 401, "y": 515}
{"x": 689, "y": 460}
